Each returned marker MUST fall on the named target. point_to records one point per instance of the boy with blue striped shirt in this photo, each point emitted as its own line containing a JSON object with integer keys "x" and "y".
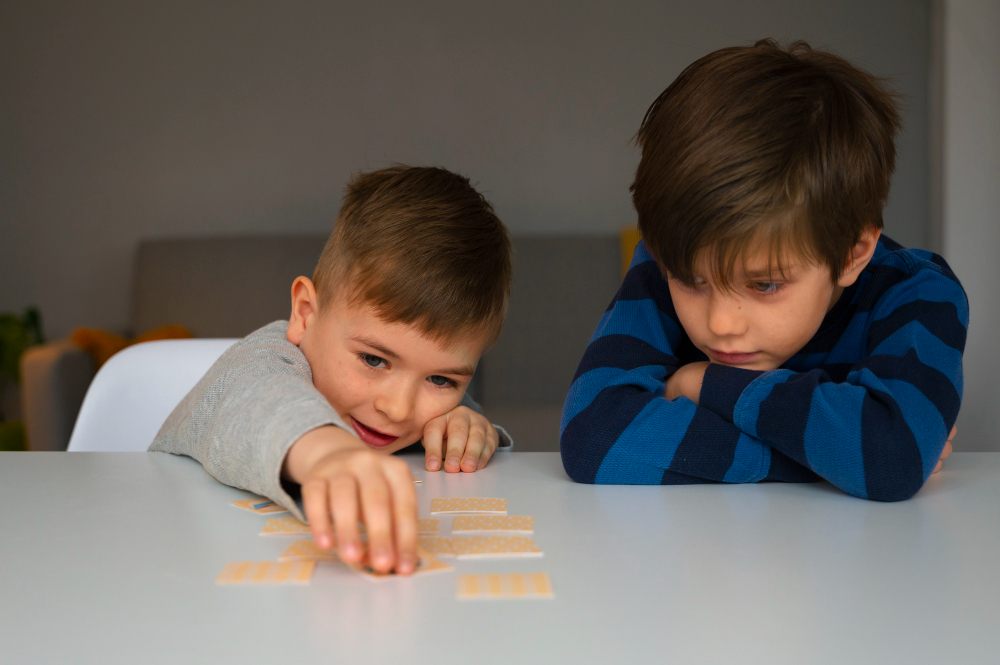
{"x": 766, "y": 329}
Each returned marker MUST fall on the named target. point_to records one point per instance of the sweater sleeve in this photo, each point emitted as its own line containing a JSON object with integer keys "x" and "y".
{"x": 616, "y": 425}
{"x": 879, "y": 433}
{"x": 241, "y": 418}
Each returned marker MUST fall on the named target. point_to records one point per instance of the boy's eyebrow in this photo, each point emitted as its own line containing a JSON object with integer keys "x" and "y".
{"x": 368, "y": 341}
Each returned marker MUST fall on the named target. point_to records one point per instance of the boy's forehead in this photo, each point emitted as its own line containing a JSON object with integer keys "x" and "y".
{"x": 754, "y": 261}
{"x": 406, "y": 339}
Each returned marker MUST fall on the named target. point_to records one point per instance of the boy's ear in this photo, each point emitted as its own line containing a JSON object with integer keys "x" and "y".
{"x": 305, "y": 308}
{"x": 861, "y": 254}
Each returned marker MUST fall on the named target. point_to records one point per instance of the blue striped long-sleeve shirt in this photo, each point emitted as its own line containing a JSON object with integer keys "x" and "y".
{"x": 867, "y": 404}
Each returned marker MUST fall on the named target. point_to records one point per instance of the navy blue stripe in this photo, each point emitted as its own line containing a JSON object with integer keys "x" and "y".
{"x": 940, "y": 318}
{"x": 645, "y": 282}
{"x": 622, "y": 352}
{"x": 785, "y": 469}
{"x": 725, "y": 385}
{"x": 893, "y": 468}
{"x": 878, "y": 280}
{"x": 945, "y": 268}
{"x": 591, "y": 434}
{"x": 673, "y": 478}
{"x": 708, "y": 447}
{"x": 889, "y": 243}
{"x": 785, "y": 412}
{"x": 934, "y": 385}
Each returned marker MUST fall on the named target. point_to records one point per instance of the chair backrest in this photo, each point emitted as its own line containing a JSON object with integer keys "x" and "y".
{"x": 135, "y": 391}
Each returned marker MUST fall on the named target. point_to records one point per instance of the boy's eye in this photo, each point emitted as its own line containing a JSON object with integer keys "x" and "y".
{"x": 441, "y": 381}
{"x": 766, "y": 287}
{"x": 373, "y": 361}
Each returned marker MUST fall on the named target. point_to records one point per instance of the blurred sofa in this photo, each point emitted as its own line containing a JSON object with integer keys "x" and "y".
{"x": 230, "y": 286}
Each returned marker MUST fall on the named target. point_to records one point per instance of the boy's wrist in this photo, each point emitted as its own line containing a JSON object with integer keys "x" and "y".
{"x": 313, "y": 446}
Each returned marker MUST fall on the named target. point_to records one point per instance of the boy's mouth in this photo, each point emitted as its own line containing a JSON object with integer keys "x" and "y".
{"x": 736, "y": 358}
{"x": 370, "y": 436}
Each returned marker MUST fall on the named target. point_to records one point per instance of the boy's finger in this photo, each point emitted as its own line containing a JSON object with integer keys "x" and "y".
{"x": 458, "y": 435}
{"x": 376, "y": 509}
{"x": 492, "y": 442}
{"x": 404, "y": 505}
{"x": 344, "y": 507}
{"x": 946, "y": 453}
{"x": 954, "y": 431}
{"x": 938, "y": 466}
{"x": 434, "y": 442}
{"x": 474, "y": 448}
{"x": 317, "y": 510}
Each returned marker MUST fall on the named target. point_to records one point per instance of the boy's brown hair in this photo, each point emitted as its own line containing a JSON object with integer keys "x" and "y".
{"x": 423, "y": 247}
{"x": 790, "y": 151}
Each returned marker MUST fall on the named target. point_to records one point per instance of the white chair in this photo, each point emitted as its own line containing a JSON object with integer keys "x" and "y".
{"x": 135, "y": 391}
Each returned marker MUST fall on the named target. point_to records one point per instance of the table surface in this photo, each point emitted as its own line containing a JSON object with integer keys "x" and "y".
{"x": 112, "y": 557}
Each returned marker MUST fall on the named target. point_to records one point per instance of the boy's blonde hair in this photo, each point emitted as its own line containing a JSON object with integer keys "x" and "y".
{"x": 423, "y": 247}
{"x": 787, "y": 150}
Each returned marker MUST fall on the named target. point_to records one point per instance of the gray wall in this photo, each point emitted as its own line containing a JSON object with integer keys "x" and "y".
{"x": 128, "y": 120}
{"x": 970, "y": 48}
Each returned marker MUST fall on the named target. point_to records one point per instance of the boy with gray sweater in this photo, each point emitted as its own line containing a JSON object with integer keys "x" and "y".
{"x": 382, "y": 342}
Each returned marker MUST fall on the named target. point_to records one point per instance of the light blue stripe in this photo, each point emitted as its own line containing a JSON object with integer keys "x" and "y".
{"x": 747, "y": 409}
{"x": 833, "y": 436}
{"x": 641, "y": 319}
{"x": 930, "y": 286}
{"x": 924, "y": 420}
{"x": 930, "y": 350}
{"x": 640, "y": 255}
{"x": 589, "y": 384}
{"x": 648, "y": 445}
{"x": 751, "y": 461}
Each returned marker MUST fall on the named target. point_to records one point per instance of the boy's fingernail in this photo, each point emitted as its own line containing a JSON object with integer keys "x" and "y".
{"x": 324, "y": 542}
{"x": 453, "y": 461}
{"x": 350, "y": 550}
{"x": 380, "y": 559}
{"x": 469, "y": 461}
{"x": 433, "y": 464}
{"x": 405, "y": 566}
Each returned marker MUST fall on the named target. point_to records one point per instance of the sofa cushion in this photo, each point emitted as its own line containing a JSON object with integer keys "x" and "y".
{"x": 221, "y": 286}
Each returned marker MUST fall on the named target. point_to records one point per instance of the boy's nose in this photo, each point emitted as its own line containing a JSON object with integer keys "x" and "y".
{"x": 396, "y": 404}
{"x": 726, "y": 317}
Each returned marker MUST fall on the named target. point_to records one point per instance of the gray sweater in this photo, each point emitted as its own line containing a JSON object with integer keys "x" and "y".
{"x": 241, "y": 418}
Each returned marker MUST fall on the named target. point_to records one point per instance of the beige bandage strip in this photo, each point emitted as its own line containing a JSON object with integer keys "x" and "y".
{"x": 509, "y": 585}
{"x": 453, "y": 505}
{"x": 493, "y": 524}
{"x": 428, "y": 525}
{"x": 266, "y": 506}
{"x": 267, "y": 572}
{"x": 284, "y": 526}
{"x": 481, "y": 547}
{"x": 307, "y": 550}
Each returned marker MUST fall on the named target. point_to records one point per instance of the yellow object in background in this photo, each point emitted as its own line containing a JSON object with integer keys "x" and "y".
{"x": 629, "y": 237}
{"x": 102, "y": 344}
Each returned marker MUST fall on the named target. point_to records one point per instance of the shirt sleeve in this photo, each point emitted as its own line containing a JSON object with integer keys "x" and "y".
{"x": 241, "y": 418}
{"x": 879, "y": 433}
{"x": 616, "y": 425}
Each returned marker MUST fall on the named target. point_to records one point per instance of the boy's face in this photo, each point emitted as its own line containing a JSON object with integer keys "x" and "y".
{"x": 386, "y": 380}
{"x": 766, "y": 319}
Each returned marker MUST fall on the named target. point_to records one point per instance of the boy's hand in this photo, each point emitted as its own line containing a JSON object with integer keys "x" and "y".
{"x": 342, "y": 476}
{"x": 686, "y": 381}
{"x": 464, "y": 439}
{"x": 947, "y": 450}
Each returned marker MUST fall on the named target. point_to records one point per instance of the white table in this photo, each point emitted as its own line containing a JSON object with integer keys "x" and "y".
{"x": 112, "y": 557}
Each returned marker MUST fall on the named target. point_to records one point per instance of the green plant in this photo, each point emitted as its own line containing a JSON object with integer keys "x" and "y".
{"x": 17, "y": 333}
